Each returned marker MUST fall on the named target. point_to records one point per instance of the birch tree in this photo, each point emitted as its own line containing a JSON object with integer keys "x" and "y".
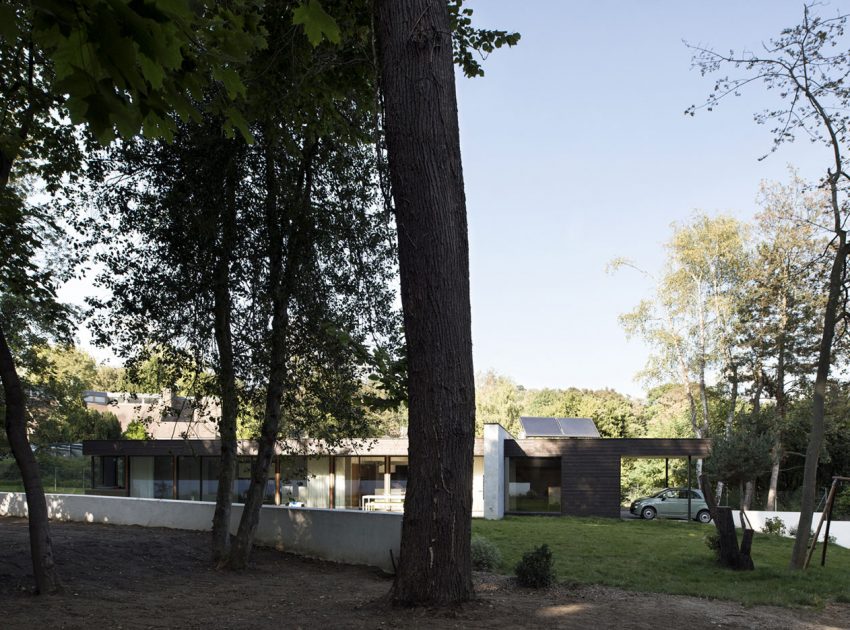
{"x": 806, "y": 69}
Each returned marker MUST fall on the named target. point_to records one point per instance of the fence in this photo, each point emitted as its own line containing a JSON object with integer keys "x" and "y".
{"x": 349, "y": 536}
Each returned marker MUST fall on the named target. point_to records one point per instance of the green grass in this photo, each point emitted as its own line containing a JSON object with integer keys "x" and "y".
{"x": 668, "y": 557}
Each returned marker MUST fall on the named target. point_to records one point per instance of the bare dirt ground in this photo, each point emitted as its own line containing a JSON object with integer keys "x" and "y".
{"x": 133, "y": 577}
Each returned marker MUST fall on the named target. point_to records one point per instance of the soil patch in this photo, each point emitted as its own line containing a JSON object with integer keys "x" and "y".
{"x": 134, "y": 577}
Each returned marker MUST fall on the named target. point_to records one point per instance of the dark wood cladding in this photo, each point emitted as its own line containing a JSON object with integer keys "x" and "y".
{"x": 590, "y": 468}
{"x": 136, "y": 448}
{"x": 590, "y": 485}
{"x": 612, "y": 447}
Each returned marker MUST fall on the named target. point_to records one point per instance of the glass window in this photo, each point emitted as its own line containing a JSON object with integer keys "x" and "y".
{"x": 163, "y": 477}
{"x": 293, "y": 479}
{"x": 398, "y": 475}
{"x": 244, "y": 467}
{"x": 109, "y": 472}
{"x": 534, "y": 484}
{"x": 189, "y": 478}
{"x": 357, "y": 477}
{"x": 210, "y": 469}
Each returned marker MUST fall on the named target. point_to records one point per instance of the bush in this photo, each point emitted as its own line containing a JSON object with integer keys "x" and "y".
{"x": 536, "y": 569}
{"x": 712, "y": 541}
{"x": 793, "y": 533}
{"x": 485, "y": 555}
{"x": 773, "y": 526}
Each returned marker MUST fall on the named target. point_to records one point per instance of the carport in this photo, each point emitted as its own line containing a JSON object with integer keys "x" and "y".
{"x": 590, "y": 467}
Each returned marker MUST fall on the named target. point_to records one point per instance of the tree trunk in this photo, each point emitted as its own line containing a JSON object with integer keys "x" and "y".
{"x": 810, "y": 468}
{"x": 776, "y": 452}
{"x": 747, "y": 498}
{"x": 283, "y": 273}
{"x": 776, "y": 459}
{"x": 417, "y": 79}
{"x": 226, "y": 374}
{"x": 41, "y": 548}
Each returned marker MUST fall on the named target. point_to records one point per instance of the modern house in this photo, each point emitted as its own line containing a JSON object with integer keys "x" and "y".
{"x": 166, "y": 416}
{"x": 558, "y": 466}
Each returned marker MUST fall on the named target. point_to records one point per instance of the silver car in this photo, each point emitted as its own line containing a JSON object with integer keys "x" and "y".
{"x": 672, "y": 503}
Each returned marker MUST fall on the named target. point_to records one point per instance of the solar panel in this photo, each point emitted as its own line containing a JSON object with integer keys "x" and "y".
{"x": 559, "y": 427}
{"x": 578, "y": 427}
{"x": 541, "y": 427}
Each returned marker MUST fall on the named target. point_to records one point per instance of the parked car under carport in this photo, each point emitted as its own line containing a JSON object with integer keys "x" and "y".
{"x": 672, "y": 503}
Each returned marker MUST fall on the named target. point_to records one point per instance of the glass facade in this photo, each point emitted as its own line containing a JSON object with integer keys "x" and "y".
{"x": 109, "y": 472}
{"x": 210, "y": 471}
{"x": 189, "y": 478}
{"x": 355, "y": 482}
{"x": 534, "y": 484}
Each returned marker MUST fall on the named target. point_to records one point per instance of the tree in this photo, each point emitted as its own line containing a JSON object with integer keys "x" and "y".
{"x": 277, "y": 253}
{"x": 114, "y": 68}
{"x": 778, "y": 316}
{"x": 497, "y": 400}
{"x": 691, "y": 320}
{"x": 423, "y": 146}
{"x": 802, "y": 68}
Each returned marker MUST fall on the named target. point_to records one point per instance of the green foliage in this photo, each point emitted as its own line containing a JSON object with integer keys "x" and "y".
{"x": 485, "y": 555}
{"x": 136, "y": 430}
{"x": 841, "y": 507}
{"x": 317, "y": 24}
{"x": 712, "y": 541}
{"x": 740, "y": 456}
{"x": 467, "y": 41}
{"x": 774, "y": 526}
{"x": 536, "y": 568}
{"x": 129, "y": 67}
{"x": 56, "y": 377}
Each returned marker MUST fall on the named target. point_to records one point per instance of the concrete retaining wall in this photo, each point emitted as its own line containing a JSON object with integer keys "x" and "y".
{"x": 353, "y": 537}
{"x": 839, "y": 529}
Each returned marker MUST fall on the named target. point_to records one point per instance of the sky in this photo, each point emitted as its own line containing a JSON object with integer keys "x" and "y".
{"x": 576, "y": 151}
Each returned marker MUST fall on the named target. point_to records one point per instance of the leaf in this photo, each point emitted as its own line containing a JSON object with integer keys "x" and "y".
{"x": 316, "y": 22}
{"x": 8, "y": 24}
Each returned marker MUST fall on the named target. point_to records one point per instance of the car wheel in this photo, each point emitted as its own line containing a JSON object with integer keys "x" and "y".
{"x": 648, "y": 513}
{"x": 704, "y": 516}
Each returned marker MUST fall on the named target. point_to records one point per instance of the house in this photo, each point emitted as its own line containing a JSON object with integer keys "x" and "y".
{"x": 559, "y": 466}
{"x": 165, "y": 415}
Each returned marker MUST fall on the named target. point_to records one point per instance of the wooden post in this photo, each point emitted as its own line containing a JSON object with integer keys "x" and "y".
{"x": 830, "y": 498}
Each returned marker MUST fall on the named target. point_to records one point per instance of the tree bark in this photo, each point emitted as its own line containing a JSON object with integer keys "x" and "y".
{"x": 417, "y": 79}
{"x": 810, "y": 468}
{"x": 41, "y": 548}
{"x": 226, "y": 374}
{"x": 284, "y": 269}
{"x": 776, "y": 452}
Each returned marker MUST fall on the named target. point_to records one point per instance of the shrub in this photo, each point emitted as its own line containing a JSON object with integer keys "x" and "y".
{"x": 712, "y": 541}
{"x": 793, "y": 533}
{"x": 485, "y": 555}
{"x": 773, "y": 526}
{"x": 536, "y": 569}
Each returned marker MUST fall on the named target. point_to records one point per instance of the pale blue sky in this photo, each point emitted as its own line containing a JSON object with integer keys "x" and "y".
{"x": 576, "y": 151}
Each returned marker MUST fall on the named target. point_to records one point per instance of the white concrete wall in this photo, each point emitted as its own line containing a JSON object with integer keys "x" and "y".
{"x": 839, "y": 529}
{"x": 353, "y": 537}
{"x": 494, "y": 471}
{"x": 477, "y": 487}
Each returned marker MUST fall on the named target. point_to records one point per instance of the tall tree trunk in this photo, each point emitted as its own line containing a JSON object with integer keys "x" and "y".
{"x": 226, "y": 375}
{"x": 423, "y": 144}
{"x": 41, "y": 548}
{"x": 282, "y": 277}
{"x": 810, "y": 468}
{"x": 776, "y": 451}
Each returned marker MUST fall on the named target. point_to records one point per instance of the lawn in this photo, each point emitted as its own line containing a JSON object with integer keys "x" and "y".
{"x": 668, "y": 557}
